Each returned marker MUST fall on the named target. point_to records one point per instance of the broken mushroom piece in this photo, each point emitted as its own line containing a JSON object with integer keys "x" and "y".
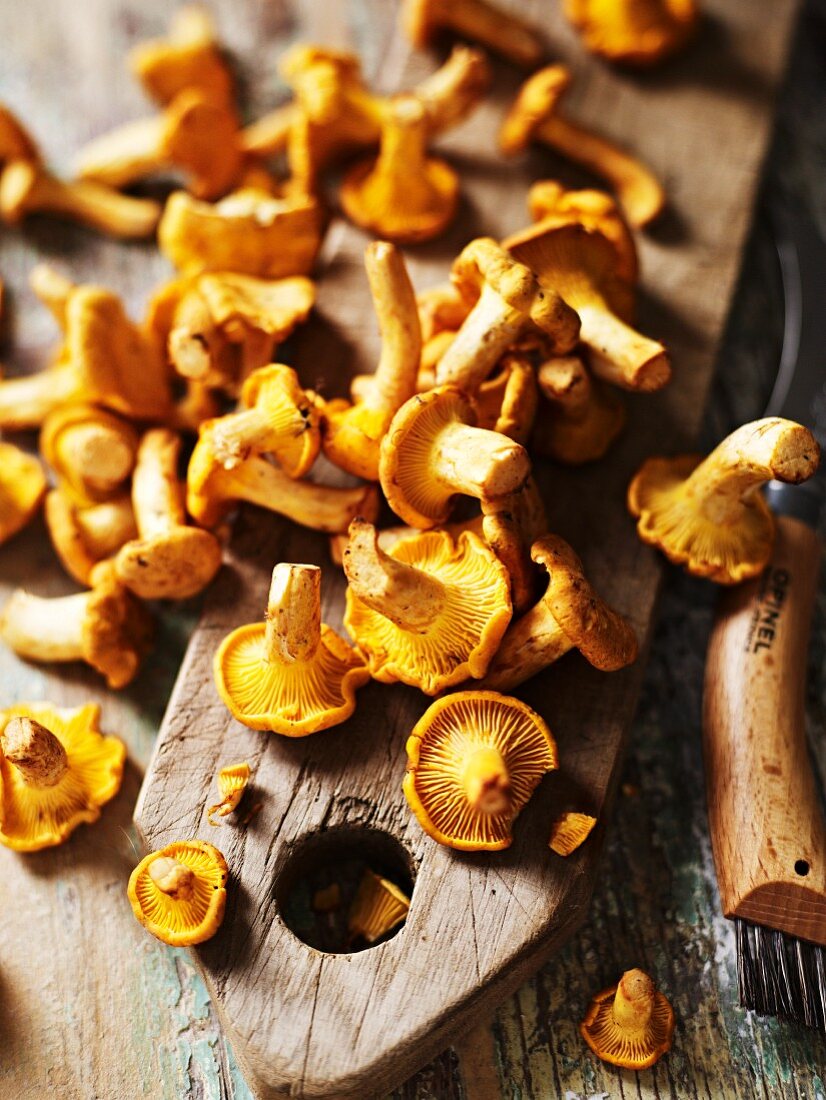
{"x": 169, "y": 560}
{"x": 510, "y": 526}
{"x": 503, "y": 32}
{"x": 630, "y": 1024}
{"x": 581, "y": 417}
{"x": 378, "y": 907}
{"x": 291, "y": 674}
{"x": 232, "y": 782}
{"x": 106, "y": 627}
{"x": 56, "y": 771}
{"x": 473, "y": 761}
{"x": 534, "y": 116}
{"x": 581, "y": 265}
{"x": 570, "y": 615}
{"x": 433, "y": 452}
{"x": 638, "y": 33}
{"x": 22, "y": 488}
{"x": 84, "y": 535}
{"x": 189, "y": 57}
{"x": 430, "y": 612}
{"x": 508, "y": 302}
{"x": 91, "y": 451}
{"x": 570, "y": 831}
{"x": 179, "y": 893}
{"x": 507, "y": 401}
{"x": 353, "y": 433}
{"x": 707, "y": 514}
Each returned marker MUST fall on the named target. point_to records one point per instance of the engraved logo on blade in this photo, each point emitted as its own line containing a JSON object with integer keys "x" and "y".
{"x": 774, "y": 587}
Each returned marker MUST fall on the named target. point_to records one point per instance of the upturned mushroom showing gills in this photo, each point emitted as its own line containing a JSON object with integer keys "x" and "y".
{"x": 179, "y": 892}
{"x": 169, "y": 559}
{"x": 378, "y": 907}
{"x": 433, "y": 452}
{"x": 637, "y": 33}
{"x": 291, "y": 674}
{"x": 430, "y": 612}
{"x": 353, "y": 433}
{"x": 107, "y": 627}
{"x": 570, "y": 831}
{"x": 708, "y": 514}
{"x": 22, "y": 488}
{"x": 581, "y": 265}
{"x": 404, "y": 194}
{"x": 570, "y": 615}
{"x": 504, "y": 32}
{"x": 534, "y": 116}
{"x": 189, "y": 57}
{"x": 232, "y": 782}
{"x": 473, "y": 761}
{"x": 56, "y": 771}
{"x": 580, "y": 417}
{"x": 508, "y": 302}
{"x": 630, "y": 1024}
{"x": 91, "y": 451}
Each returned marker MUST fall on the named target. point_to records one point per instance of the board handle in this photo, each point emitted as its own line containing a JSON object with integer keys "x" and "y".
{"x": 767, "y": 830}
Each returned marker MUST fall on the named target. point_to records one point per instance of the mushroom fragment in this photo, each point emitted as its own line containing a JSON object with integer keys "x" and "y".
{"x": 292, "y": 674}
{"x": 508, "y": 303}
{"x": 84, "y": 535}
{"x": 507, "y": 401}
{"x": 232, "y": 782}
{"x": 432, "y": 451}
{"x": 22, "y": 488}
{"x": 638, "y": 33}
{"x": 353, "y": 433}
{"x": 569, "y": 615}
{"x": 630, "y": 1024}
{"x": 431, "y": 612}
{"x": 179, "y": 892}
{"x": 92, "y": 451}
{"x": 56, "y": 771}
{"x": 168, "y": 560}
{"x": 106, "y": 627}
{"x": 534, "y": 116}
{"x": 473, "y": 761}
{"x": 378, "y": 907}
{"x": 189, "y": 57}
{"x": 504, "y": 32}
{"x": 582, "y": 417}
{"x": 707, "y": 514}
{"x": 570, "y": 831}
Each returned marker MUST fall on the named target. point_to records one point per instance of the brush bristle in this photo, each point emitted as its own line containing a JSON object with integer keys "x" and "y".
{"x": 780, "y": 975}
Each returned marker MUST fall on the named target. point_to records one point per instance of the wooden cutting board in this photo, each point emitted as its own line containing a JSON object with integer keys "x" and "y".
{"x": 310, "y": 1023}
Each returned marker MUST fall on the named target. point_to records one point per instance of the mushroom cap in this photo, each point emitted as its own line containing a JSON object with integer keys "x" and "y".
{"x": 538, "y": 98}
{"x": 232, "y": 782}
{"x": 117, "y": 629}
{"x": 294, "y": 416}
{"x": 33, "y": 817}
{"x": 189, "y": 58}
{"x": 353, "y": 435}
{"x": 203, "y": 138}
{"x": 274, "y": 306}
{"x": 639, "y": 33}
{"x": 293, "y": 699}
{"x": 15, "y": 141}
{"x": 507, "y": 401}
{"x": 462, "y": 640}
{"x": 438, "y": 748}
{"x": 22, "y": 488}
{"x": 378, "y": 907}
{"x": 632, "y": 1048}
{"x": 181, "y": 922}
{"x": 569, "y": 831}
{"x": 174, "y": 565}
{"x": 601, "y": 634}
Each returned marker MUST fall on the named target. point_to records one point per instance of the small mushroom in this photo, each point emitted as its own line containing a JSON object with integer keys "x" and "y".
{"x": 503, "y": 32}
{"x": 510, "y": 526}
{"x": 179, "y": 892}
{"x": 534, "y": 116}
{"x": 402, "y": 195}
{"x": 507, "y": 401}
{"x": 84, "y": 536}
{"x": 432, "y": 452}
{"x": 292, "y": 674}
{"x": 56, "y": 771}
{"x": 232, "y": 782}
{"x": 580, "y": 417}
{"x": 378, "y": 907}
{"x": 473, "y": 761}
{"x": 92, "y": 451}
{"x": 456, "y": 88}
{"x": 569, "y": 615}
{"x": 569, "y": 831}
{"x": 630, "y": 1024}
{"x": 353, "y": 433}
{"x": 707, "y": 514}
{"x": 189, "y": 57}
{"x": 430, "y": 612}
{"x": 637, "y": 33}
{"x": 508, "y": 303}
{"x": 106, "y": 627}
{"x": 168, "y": 560}
{"x": 581, "y": 265}
{"x": 22, "y": 488}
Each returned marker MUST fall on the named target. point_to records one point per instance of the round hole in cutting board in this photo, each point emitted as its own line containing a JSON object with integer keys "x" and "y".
{"x": 801, "y": 867}
{"x": 330, "y": 862}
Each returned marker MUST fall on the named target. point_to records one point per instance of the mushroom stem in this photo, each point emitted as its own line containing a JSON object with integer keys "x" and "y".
{"x": 97, "y": 453}
{"x": 238, "y": 435}
{"x": 173, "y": 878}
{"x": 107, "y": 526}
{"x": 293, "y": 630}
{"x": 35, "y": 751}
{"x": 125, "y": 154}
{"x": 157, "y": 494}
{"x": 633, "y": 1001}
{"x": 452, "y": 92}
{"x": 486, "y": 781}
{"x": 45, "y": 629}
{"x": 478, "y": 463}
{"x": 501, "y": 31}
{"x": 619, "y": 353}
{"x": 530, "y": 644}
{"x": 401, "y": 593}
{"x": 52, "y": 289}
{"x": 195, "y": 342}
{"x": 26, "y": 402}
{"x": 489, "y": 330}
{"x": 394, "y": 301}
{"x": 564, "y": 381}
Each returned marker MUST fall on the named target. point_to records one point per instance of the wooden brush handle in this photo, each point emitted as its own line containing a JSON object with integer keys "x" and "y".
{"x": 767, "y": 830}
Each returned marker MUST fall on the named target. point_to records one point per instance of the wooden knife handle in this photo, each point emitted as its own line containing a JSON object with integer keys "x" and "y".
{"x": 766, "y": 825}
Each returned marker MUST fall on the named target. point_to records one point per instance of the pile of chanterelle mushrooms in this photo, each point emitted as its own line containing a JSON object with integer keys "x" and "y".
{"x": 524, "y": 353}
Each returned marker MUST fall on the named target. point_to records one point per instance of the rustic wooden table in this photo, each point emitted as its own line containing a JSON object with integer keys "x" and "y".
{"x": 92, "y": 1007}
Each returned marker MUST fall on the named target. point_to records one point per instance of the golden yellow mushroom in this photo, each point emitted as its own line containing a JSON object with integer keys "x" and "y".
{"x": 189, "y": 57}
{"x": 91, "y": 451}
{"x": 580, "y": 416}
{"x": 637, "y": 33}
{"x": 83, "y": 536}
{"x": 378, "y": 907}
{"x": 630, "y": 1024}
{"x": 22, "y": 488}
{"x": 570, "y": 831}
{"x": 232, "y": 782}
{"x": 504, "y": 32}
{"x": 179, "y": 892}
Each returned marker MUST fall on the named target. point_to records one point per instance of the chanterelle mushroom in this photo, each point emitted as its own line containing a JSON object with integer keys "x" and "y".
{"x": 91, "y": 451}
{"x": 291, "y": 674}
{"x": 179, "y": 893}
{"x": 639, "y": 33}
{"x": 534, "y": 116}
{"x": 708, "y": 514}
{"x": 508, "y": 302}
{"x": 232, "y": 782}
{"x": 22, "y": 488}
{"x": 473, "y": 761}
{"x": 570, "y": 615}
{"x": 581, "y": 416}
{"x": 504, "y": 32}
{"x": 629, "y": 1024}
{"x": 106, "y": 627}
{"x": 430, "y": 612}
{"x": 56, "y": 771}
{"x": 378, "y": 907}
{"x": 189, "y": 57}
{"x": 507, "y": 401}
{"x": 84, "y": 535}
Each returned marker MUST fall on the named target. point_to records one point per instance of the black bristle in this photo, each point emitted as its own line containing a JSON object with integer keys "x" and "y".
{"x": 780, "y": 975}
